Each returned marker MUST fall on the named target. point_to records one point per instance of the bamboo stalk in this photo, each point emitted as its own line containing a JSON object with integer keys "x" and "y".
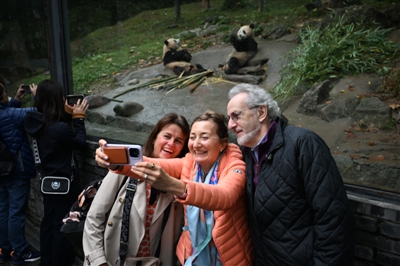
{"x": 142, "y": 85}
{"x": 171, "y": 83}
{"x": 194, "y": 87}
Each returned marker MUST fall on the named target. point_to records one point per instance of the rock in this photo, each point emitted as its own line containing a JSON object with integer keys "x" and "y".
{"x": 314, "y": 96}
{"x": 127, "y": 109}
{"x": 393, "y": 12}
{"x": 96, "y": 101}
{"x": 273, "y": 31}
{"x": 338, "y": 109}
{"x": 290, "y": 38}
{"x": 372, "y": 110}
{"x": 210, "y": 29}
{"x": 131, "y": 82}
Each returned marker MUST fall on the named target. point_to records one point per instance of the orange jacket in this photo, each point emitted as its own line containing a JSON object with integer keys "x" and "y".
{"x": 231, "y": 232}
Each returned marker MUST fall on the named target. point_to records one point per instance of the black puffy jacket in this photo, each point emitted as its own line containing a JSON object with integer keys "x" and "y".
{"x": 299, "y": 213}
{"x": 15, "y": 138}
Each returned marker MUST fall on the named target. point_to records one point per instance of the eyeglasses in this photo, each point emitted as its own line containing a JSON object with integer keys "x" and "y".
{"x": 235, "y": 116}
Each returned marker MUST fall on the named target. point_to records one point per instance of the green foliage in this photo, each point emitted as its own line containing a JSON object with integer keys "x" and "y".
{"x": 340, "y": 49}
{"x": 258, "y": 30}
{"x": 234, "y": 5}
{"x": 187, "y": 36}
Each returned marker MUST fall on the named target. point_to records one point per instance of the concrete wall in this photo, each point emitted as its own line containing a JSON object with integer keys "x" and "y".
{"x": 377, "y": 220}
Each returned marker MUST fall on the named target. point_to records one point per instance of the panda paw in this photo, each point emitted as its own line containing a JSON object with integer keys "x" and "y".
{"x": 187, "y": 57}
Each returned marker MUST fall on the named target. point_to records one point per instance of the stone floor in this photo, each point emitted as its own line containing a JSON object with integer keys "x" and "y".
{"x": 32, "y": 235}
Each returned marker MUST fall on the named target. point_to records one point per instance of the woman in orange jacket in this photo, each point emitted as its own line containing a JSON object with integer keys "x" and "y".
{"x": 210, "y": 182}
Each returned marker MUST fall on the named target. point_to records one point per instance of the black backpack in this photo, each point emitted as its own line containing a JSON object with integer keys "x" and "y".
{"x": 74, "y": 221}
{"x": 7, "y": 161}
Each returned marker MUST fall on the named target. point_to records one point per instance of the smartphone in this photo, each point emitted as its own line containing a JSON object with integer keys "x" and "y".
{"x": 27, "y": 89}
{"x": 73, "y": 99}
{"x": 123, "y": 154}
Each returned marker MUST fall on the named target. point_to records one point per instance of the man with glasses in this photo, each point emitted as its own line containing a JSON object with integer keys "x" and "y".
{"x": 297, "y": 204}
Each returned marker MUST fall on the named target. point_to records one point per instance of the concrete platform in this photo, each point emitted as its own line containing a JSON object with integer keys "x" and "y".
{"x": 32, "y": 235}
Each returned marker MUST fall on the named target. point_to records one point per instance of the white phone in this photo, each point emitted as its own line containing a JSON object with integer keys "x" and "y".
{"x": 123, "y": 154}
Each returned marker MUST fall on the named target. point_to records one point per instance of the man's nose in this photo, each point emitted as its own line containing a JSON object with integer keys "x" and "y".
{"x": 231, "y": 124}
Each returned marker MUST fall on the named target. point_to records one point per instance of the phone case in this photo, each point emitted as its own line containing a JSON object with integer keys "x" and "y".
{"x": 123, "y": 154}
{"x": 73, "y": 99}
{"x": 117, "y": 155}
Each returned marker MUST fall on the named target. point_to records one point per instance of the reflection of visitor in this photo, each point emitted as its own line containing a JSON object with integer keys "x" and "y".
{"x": 15, "y": 41}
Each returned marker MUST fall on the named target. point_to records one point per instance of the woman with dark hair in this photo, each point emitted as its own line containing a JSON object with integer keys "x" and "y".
{"x": 210, "y": 182}
{"x": 59, "y": 129}
{"x": 153, "y": 148}
{"x": 155, "y": 218}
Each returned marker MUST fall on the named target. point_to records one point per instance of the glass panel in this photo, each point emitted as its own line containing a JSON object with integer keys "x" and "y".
{"x": 23, "y": 44}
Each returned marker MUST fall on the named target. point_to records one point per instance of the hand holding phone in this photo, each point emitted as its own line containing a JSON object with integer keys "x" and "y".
{"x": 27, "y": 89}
{"x": 73, "y": 99}
{"x": 123, "y": 154}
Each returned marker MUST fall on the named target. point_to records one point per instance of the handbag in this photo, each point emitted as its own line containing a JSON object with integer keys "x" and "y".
{"x": 56, "y": 185}
{"x": 74, "y": 221}
{"x": 123, "y": 246}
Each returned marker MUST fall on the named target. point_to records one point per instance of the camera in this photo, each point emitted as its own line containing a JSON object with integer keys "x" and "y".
{"x": 27, "y": 89}
{"x": 123, "y": 154}
{"x": 73, "y": 99}
{"x": 134, "y": 152}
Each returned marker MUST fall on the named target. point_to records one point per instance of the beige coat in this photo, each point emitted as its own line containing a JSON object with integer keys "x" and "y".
{"x": 102, "y": 231}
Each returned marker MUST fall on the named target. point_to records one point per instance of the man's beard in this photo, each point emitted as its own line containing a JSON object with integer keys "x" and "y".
{"x": 249, "y": 136}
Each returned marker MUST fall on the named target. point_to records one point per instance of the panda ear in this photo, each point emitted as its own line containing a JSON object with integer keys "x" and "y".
{"x": 166, "y": 42}
{"x": 251, "y": 25}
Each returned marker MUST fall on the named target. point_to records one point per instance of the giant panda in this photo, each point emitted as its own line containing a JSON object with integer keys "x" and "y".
{"x": 245, "y": 49}
{"x": 179, "y": 61}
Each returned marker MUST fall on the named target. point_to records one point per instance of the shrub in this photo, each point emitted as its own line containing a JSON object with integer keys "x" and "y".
{"x": 338, "y": 50}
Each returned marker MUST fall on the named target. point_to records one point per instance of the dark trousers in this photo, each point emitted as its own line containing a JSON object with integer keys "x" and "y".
{"x": 14, "y": 194}
{"x": 55, "y": 248}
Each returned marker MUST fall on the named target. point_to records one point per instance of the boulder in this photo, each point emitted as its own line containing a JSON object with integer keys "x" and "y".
{"x": 373, "y": 110}
{"x": 338, "y": 109}
{"x": 313, "y": 97}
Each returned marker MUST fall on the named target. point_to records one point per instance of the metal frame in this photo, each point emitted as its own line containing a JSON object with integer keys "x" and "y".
{"x": 59, "y": 43}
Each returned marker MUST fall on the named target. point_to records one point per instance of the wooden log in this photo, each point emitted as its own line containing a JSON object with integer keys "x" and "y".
{"x": 243, "y": 78}
{"x": 251, "y": 70}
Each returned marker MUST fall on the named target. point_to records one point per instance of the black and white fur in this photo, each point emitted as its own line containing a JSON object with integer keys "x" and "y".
{"x": 179, "y": 60}
{"x": 245, "y": 49}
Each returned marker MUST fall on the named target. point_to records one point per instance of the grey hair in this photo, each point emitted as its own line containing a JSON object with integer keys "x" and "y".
{"x": 257, "y": 96}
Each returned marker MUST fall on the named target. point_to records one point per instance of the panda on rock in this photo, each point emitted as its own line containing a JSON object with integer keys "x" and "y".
{"x": 245, "y": 49}
{"x": 179, "y": 61}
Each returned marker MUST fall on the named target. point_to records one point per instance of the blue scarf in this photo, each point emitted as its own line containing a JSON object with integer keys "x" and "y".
{"x": 200, "y": 225}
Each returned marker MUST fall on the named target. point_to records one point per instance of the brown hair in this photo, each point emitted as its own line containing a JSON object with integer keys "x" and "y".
{"x": 171, "y": 118}
{"x": 218, "y": 119}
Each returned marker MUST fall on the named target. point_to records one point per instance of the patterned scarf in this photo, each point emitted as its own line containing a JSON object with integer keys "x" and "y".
{"x": 201, "y": 223}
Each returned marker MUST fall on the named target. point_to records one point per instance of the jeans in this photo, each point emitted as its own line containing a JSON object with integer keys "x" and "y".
{"x": 14, "y": 194}
{"x": 54, "y": 247}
